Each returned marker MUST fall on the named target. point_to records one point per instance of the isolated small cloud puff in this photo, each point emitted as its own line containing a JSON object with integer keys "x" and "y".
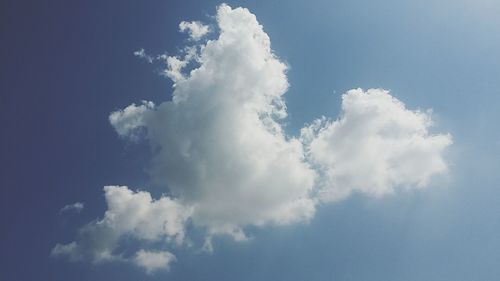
{"x": 76, "y": 207}
{"x": 141, "y": 53}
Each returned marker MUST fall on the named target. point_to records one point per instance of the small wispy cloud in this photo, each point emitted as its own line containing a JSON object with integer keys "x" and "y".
{"x": 195, "y": 29}
{"x": 75, "y": 207}
{"x": 141, "y": 53}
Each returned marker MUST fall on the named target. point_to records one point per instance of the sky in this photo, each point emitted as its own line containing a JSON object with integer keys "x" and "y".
{"x": 250, "y": 140}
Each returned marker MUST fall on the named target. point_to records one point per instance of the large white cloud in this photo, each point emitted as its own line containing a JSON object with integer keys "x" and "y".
{"x": 219, "y": 145}
{"x": 375, "y": 146}
{"x": 219, "y": 149}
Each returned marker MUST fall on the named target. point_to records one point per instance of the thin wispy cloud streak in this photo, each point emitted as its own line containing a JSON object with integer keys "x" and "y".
{"x": 75, "y": 207}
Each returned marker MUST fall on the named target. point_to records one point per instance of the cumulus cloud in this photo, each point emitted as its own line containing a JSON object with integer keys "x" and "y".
{"x": 220, "y": 150}
{"x": 127, "y": 122}
{"x": 195, "y": 29}
{"x": 129, "y": 214}
{"x": 375, "y": 146}
{"x": 220, "y": 145}
{"x": 75, "y": 207}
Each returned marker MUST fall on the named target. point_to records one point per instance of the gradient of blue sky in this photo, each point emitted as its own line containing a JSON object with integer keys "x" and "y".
{"x": 65, "y": 66}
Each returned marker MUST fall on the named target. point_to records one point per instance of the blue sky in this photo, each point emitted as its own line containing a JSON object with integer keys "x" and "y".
{"x": 67, "y": 66}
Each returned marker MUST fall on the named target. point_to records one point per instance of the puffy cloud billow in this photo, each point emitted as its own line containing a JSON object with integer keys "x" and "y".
{"x": 374, "y": 147}
{"x": 220, "y": 151}
{"x": 129, "y": 215}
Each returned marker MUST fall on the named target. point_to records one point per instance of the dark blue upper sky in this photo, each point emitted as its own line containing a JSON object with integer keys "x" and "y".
{"x": 65, "y": 65}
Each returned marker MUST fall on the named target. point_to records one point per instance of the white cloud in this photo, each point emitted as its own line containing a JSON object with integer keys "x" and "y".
{"x": 175, "y": 65}
{"x": 70, "y": 250}
{"x": 220, "y": 150}
{"x": 128, "y": 121}
{"x": 141, "y": 53}
{"x": 195, "y": 29}
{"x": 152, "y": 261}
{"x": 138, "y": 214}
{"x": 129, "y": 214}
{"x": 76, "y": 207}
{"x": 375, "y": 146}
{"x": 220, "y": 146}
